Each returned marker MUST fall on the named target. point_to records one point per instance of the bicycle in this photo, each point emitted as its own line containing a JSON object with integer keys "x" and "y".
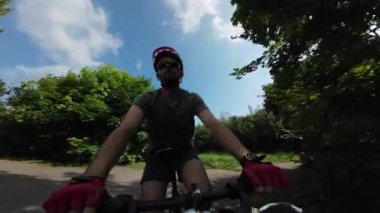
{"x": 125, "y": 203}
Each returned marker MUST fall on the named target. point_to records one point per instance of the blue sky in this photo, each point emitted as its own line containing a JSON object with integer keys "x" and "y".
{"x": 55, "y": 36}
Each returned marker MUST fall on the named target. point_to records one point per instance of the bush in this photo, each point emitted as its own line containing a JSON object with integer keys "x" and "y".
{"x": 202, "y": 139}
{"x": 81, "y": 149}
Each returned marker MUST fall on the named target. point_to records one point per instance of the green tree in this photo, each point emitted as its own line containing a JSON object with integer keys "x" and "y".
{"x": 2, "y": 88}
{"x": 3, "y": 91}
{"x": 2, "y": 104}
{"x": 202, "y": 139}
{"x": 56, "y": 114}
{"x": 324, "y": 57}
{"x": 259, "y": 131}
{"x": 4, "y": 9}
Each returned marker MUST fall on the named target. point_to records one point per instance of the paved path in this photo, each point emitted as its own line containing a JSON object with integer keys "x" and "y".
{"x": 25, "y": 185}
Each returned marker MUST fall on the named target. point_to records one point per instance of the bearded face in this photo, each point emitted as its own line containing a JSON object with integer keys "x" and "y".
{"x": 169, "y": 72}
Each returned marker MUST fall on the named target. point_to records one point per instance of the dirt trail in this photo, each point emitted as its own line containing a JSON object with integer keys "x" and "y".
{"x": 26, "y": 184}
{"x": 122, "y": 174}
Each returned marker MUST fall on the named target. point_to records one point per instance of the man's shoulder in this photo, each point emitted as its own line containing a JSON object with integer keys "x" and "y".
{"x": 189, "y": 93}
{"x": 150, "y": 93}
{"x": 145, "y": 98}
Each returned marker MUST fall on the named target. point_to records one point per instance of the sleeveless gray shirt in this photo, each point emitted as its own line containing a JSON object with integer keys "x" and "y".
{"x": 170, "y": 119}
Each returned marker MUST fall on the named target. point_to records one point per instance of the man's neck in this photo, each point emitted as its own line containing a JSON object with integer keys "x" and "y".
{"x": 167, "y": 91}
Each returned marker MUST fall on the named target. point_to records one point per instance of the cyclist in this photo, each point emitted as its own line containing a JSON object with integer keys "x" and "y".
{"x": 169, "y": 112}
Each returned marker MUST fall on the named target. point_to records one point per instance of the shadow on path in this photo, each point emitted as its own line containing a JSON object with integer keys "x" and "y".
{"x": 22, "y": 193}
{"x": 25, "y": 193}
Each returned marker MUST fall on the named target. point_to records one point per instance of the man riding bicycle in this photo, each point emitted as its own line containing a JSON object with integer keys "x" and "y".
{"x": 169, "y": 112}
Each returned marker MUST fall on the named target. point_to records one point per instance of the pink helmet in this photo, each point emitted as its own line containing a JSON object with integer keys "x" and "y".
{"x": 165, "y": 51}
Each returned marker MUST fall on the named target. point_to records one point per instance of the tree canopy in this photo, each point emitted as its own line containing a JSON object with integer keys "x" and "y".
{"x": 55, "y": 113}
{"x": 324, "y": 59}
{"x": 4, "y": 9}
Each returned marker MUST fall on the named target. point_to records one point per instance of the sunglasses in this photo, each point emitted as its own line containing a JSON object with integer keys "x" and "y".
{"x": 167, "y": 65}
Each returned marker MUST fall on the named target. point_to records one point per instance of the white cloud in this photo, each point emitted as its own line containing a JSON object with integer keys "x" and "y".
{"x": 190, "y": 14}
{"x": 225, "y": 29}
{"x": 70, "y": 32}
{"x": 21, "y": 73}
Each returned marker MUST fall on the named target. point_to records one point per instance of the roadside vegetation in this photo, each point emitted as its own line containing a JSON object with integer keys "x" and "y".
{"x": 225, "y": 161}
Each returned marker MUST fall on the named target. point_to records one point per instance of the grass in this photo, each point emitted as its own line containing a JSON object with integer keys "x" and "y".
{"x": 139, "y": 165}
{"x": 219, "y": 161}
{"x": 211, "y": 160}
{"x": 226, "y": 161}
{"x": 280, "y": 157}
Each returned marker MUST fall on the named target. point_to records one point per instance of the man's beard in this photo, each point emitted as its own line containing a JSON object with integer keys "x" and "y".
{"x": 171, "y": 80}
{"x": 170, "y": 84}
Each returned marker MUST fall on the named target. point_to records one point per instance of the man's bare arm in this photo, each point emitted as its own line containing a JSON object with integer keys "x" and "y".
{"x": 115, "y": 144}
{"x": 223, "y": 135}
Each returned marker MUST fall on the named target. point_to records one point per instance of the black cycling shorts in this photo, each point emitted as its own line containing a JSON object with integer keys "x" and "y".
{"x": 163, "y": 170}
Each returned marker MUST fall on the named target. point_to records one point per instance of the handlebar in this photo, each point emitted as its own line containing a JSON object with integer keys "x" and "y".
{"x": 289, "y": 205}
{"x": 126, "y": 203}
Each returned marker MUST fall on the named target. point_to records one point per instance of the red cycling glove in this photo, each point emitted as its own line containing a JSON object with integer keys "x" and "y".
{"x": 81, "y": 193}
{"x": 260, "y": 174}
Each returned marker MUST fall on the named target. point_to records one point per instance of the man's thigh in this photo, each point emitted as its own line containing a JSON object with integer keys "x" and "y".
{"x": 157, "y": 170}
{"x": 153, "y": 190}
{"x": 193, "y": 172}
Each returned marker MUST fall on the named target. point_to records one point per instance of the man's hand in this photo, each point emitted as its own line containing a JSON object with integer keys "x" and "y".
{"x": 264, "y": 177}
{"x": 78, "y": 195}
